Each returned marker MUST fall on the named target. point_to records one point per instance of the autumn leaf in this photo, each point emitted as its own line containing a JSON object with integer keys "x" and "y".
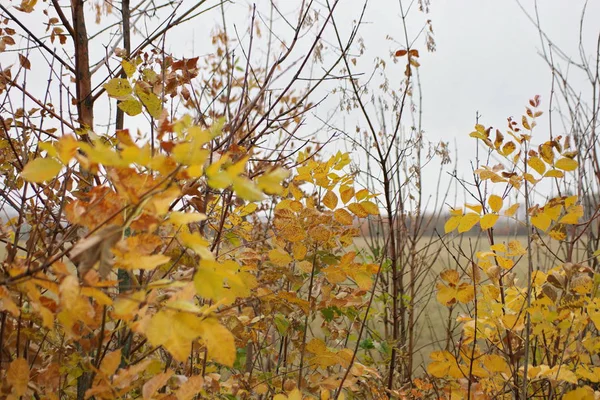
{"x": 452, "y": 223}
{"x": 444, "y": 364}
{"x": 495, "y": 203}
{"x": 279, "y": 257}
{"x": 130, "y": 106}
{"x": 175, "y": 331}
{"x": 26, "y": 6}
{"x": 581, "y": 393}
{"x": 330, "y": 200}
{"x": 219, "y": 341}
{"x": 190, "y": 388}
{"x": 537, "y": 164}
{"x": 117, "y": 87}
{"x": 467, "y": 222}
{"x": 149, "y": 100}
{"x": 343, "y": 217}
{"x": 541, "y": 221}
{"x": 222, "y": 281}
{"x": 566, "y": 164}
{"x": 358, "y": 210}
{"x": 488, "y": 221}
{"x": 152, "y": 386}
{"x": 41, "y": 169}
{"x": 110, "y": 363}
{"x": 17, "y": 376}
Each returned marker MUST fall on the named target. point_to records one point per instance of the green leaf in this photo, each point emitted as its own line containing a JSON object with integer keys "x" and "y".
{"x": 41, "y": 169}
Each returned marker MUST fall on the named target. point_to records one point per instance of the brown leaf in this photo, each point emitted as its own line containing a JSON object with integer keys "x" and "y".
{"x": 400, "y": 53}
{"x": 96, "y": 248}
{"x": 24, "y": 61}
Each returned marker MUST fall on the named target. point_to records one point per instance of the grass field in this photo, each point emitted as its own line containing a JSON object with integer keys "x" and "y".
{"x": 435, "y": 319}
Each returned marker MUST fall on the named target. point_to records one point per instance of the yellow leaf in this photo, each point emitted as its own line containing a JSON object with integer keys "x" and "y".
{"x": 488, "y": 221}
{"x": 299, "y": 251}
{"x": 49, "y": 148}
{"x": 330, "y": 200}
{"x": 515, "y": 249}
{"x": 346, "y": 193}
{"x": 511, "y": 210}
{"x": 26, "y": 6}
{"x": 558, "y": 232}
{"x": 570, "y": 201}
{"x": 343, "y": 217}
{"x": 593, "y": 310}
{"x": 117, "y": 87}
{"x": 219, "y": 341}
{"x": 41, "y": 169}
{"x": 444, "y": 365}
{"x": 270, "y": 182}
{"x": 554, "y": 173}
{"x": 182, "y": 218}
{"x": 153, "y": 385}
{"x": 125, "y": 307}
{"x": 495, "y": 363}
{"x": 137, "y": 261}
{"x": 17, "y": 376}
{"x": 362, "y": 194}
{"x": 149, "y": 100}
{"x": 475, "y": 207}
{"x": 7, "y": 303}
{"x": 190, "y": 388}
{"x": 246, "y": 189}
{"x": 495, "y": 203}
{"x": 508, "y": 148}
{"x": 537, "y": 164}
{"x": 370, "y": 207}
{"x": 582, "y": 393}
{"x": 452, "y": 223}
{"x": 450, "y": 276}
{"x": 573, "y": 215}
{"x": 222, "y": 281}
{"x": 279, "y": 257}
{"x": 547, "y": 152}
{"x": 467, "y": 222}
{"x": 566, "y": 164}
{"x": 128, "y": 68}
{"x": 67, "y": 147}
{"x": 175, "y": 331}
{"x": 197, "y": 243}
{"x": 246, "y": 209}
{"x": 541, "y": 221}
{"x": 130, "y": 106}
{"x": 358, "y": 210}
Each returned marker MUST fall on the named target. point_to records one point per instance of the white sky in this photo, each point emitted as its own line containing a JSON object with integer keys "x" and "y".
{"x": 486, "y": 61}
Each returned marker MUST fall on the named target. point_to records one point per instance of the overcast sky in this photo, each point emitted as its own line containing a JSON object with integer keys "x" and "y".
{"x": 487, "y": 57}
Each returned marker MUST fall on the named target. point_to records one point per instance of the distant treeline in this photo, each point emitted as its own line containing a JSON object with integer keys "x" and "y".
{"x": 433, "y": 224}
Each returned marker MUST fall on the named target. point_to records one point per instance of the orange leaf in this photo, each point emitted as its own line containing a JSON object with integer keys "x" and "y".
{"x": 18, "y": 376}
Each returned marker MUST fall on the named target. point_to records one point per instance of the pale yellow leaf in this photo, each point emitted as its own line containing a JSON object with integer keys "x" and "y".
{"x": 41, "y": 169}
